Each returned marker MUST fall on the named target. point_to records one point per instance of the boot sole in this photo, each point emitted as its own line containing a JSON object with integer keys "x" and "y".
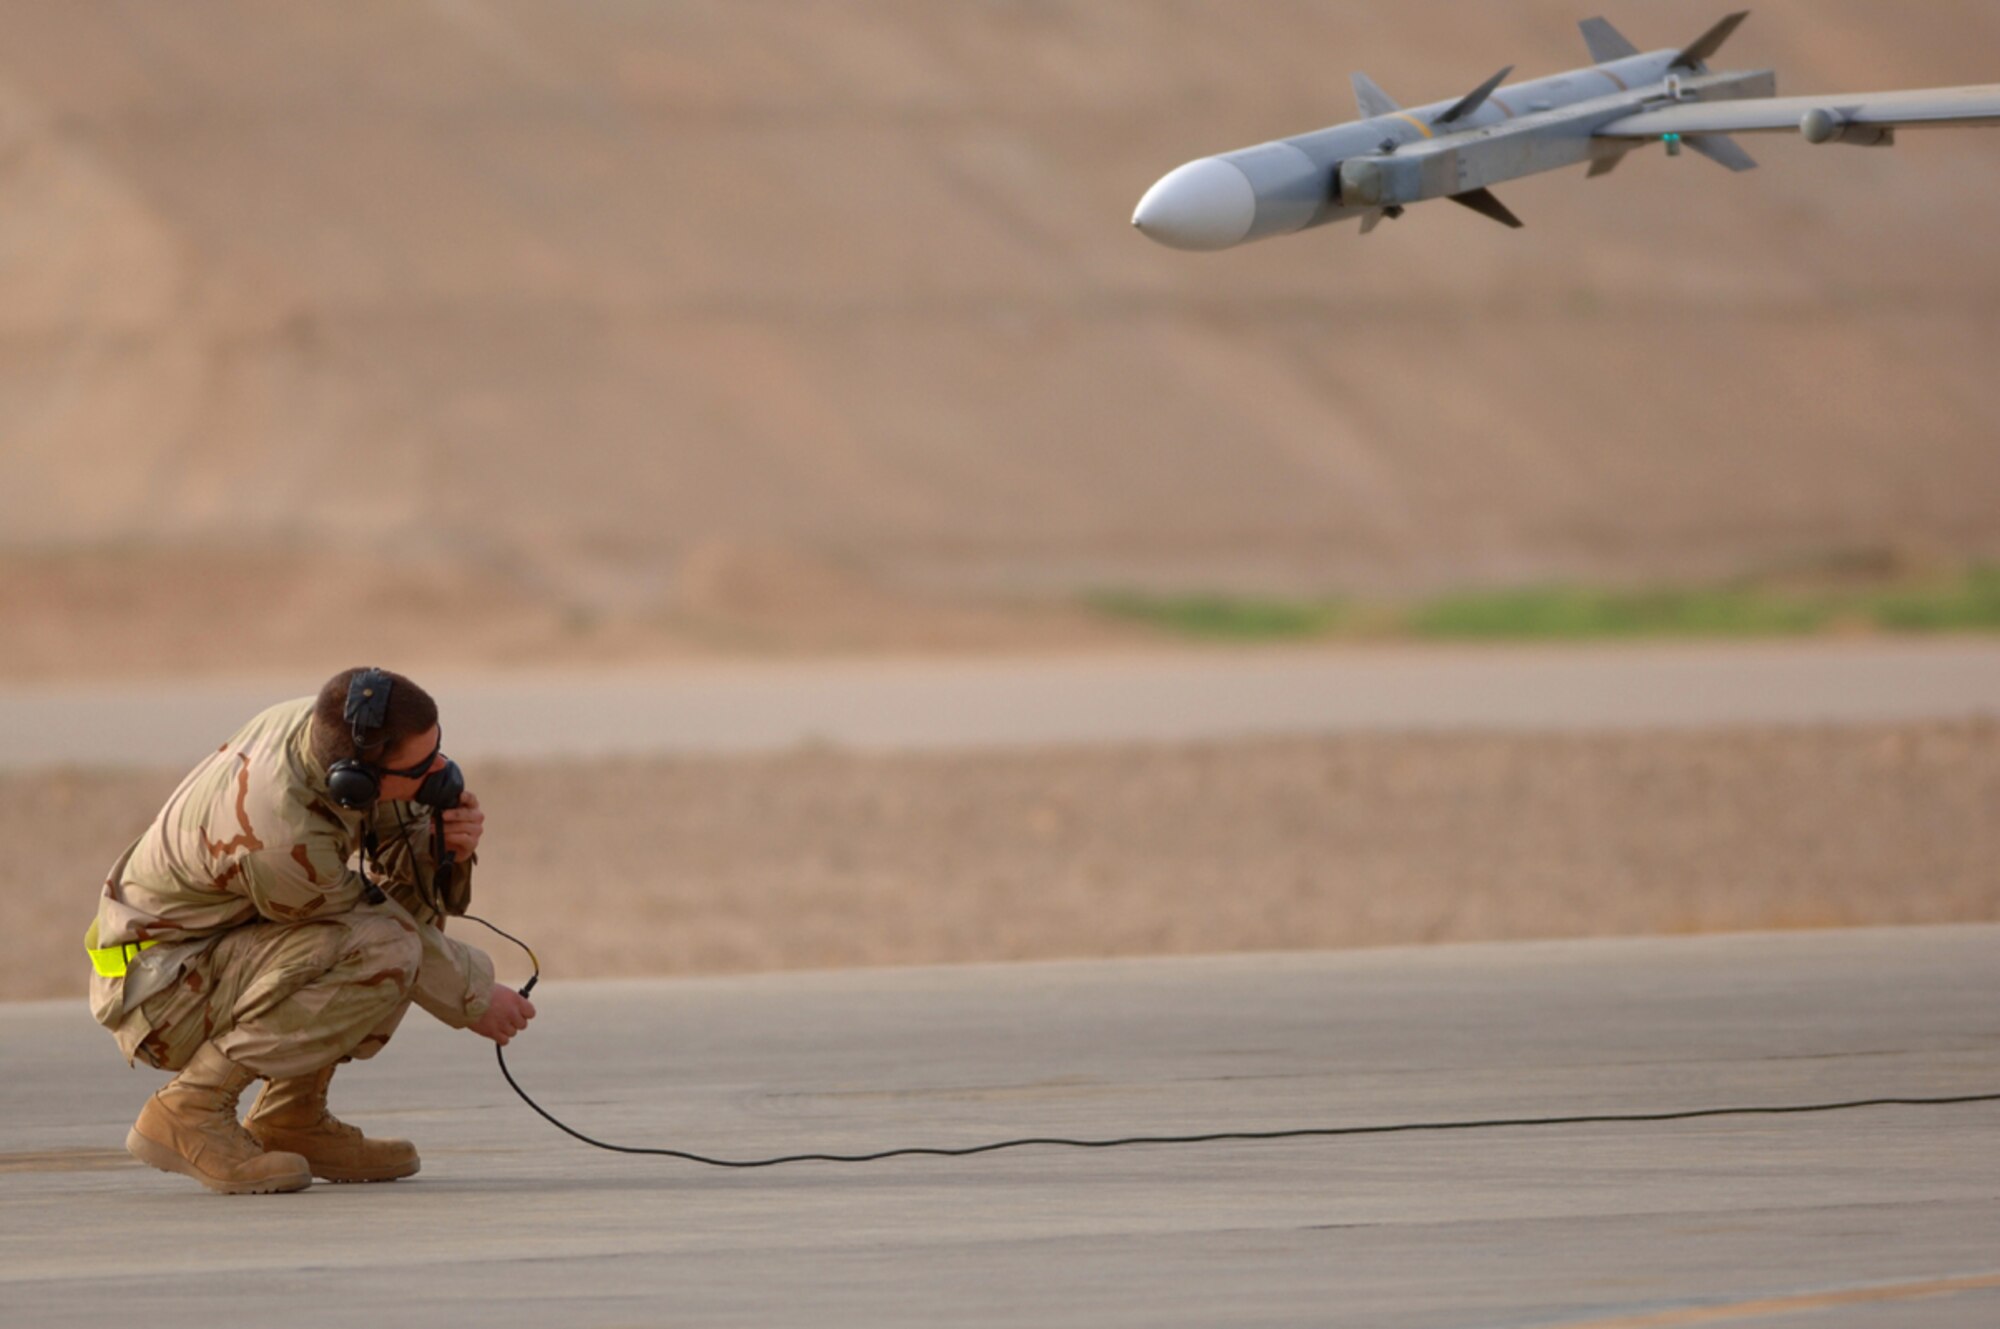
{"x": 338, "y": 1175}
{"x": 156, "y": 1155}
{"x": 387, "y": 1174}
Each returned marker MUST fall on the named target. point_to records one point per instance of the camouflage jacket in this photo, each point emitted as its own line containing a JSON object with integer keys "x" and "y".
{"x": 252, "y": 835}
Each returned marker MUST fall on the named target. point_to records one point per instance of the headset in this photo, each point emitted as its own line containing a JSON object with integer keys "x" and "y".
{"x": 354, "y": 783}
{"x": 357, "y": 786}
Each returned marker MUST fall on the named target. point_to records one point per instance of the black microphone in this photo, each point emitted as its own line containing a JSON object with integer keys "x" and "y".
{"x": 441, "y": 790}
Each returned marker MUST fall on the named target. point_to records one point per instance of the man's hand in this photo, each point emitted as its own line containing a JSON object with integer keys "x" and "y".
{"x": 507, "y": 1016}
{"x": 463, "y": 825}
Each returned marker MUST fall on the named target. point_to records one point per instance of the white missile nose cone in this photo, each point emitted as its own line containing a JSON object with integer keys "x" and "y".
{"x": 1206, "y": 204}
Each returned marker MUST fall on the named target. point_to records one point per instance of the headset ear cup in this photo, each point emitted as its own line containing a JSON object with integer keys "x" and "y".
{"x": 353, "y": 785}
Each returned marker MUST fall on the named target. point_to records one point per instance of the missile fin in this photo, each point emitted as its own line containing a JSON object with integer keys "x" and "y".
{"x": 1722, "y": 150}
{"x": 1372, "y": 100}
{"x": 1697, "y": 56}
{"x": 1605, "y": 165}
{"x": 1370, "y": 222}
{"x": 1485, "y": 204}
{"x": 1475, "y": 99}
{"x": 1606, "y": 43}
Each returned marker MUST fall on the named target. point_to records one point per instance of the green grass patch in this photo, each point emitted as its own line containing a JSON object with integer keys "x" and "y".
{"x": 1562, "y": 613}
{"x": 1224, "y": 618}
{"x": 1968, "y": 602}
{"x": 1972, "y": 604}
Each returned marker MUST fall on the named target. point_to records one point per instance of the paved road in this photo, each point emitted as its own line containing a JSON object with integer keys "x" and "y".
{"x": 1884, "y": 1216}
{"x": 902, "y": 705}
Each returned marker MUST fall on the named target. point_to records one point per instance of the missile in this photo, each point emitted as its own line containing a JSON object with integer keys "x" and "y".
{"x": 1376, "y": 167}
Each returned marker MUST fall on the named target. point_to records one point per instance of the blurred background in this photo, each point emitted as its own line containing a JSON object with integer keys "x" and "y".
{"x": 507, "y": 335}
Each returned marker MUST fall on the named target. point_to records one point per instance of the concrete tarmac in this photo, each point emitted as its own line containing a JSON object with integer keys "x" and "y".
{"x": 1167, "y": 696}
{"x": 1885, "y": 1216}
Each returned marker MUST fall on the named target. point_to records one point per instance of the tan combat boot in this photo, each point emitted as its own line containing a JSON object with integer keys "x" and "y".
{"x": 292, "y": 1115}
{"x": 190, "y": 1127}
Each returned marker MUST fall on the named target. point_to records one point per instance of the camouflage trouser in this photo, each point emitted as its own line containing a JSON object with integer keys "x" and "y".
{"x": 285, "y": 999}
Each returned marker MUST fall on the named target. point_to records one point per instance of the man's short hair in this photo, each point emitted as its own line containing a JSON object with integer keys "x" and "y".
{"x": 411, "y": 711}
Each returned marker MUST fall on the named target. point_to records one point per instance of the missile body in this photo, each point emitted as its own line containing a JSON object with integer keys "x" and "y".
{"x": 1385, "y": 163}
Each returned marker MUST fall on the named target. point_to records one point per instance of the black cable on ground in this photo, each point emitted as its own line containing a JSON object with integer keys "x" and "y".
{"x": 1319, "y": 1132}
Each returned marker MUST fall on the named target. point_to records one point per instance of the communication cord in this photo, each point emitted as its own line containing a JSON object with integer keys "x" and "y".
{"x": 1322, "y": 1132}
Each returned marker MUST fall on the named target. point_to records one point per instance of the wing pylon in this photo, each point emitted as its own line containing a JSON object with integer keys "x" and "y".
{"x": 1876, "y": 111}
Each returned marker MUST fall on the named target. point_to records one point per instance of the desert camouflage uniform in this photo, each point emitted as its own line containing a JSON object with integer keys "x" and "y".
{"x": 268, "y": 944}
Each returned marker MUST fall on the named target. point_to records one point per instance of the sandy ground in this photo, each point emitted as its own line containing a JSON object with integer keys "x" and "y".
{"x": 823, "y": 858}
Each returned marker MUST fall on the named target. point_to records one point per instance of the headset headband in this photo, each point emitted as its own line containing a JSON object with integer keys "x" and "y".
{"x": 367, "y": 704}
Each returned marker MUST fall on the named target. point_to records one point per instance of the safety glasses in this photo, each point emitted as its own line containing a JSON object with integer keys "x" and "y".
{"x": 422, "y": 768}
